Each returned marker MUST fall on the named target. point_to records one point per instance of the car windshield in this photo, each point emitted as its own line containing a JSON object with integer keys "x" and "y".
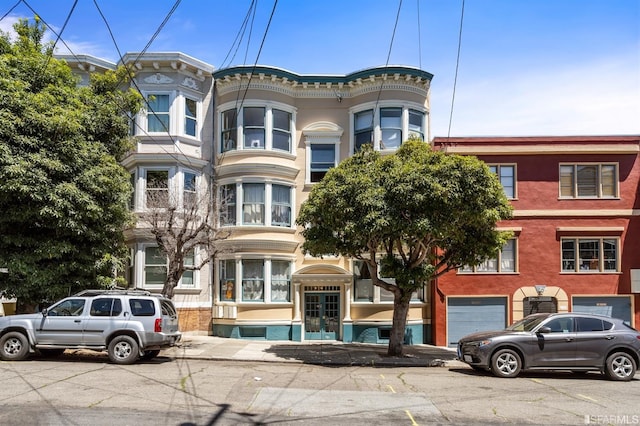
{"x": 526, "y": 324}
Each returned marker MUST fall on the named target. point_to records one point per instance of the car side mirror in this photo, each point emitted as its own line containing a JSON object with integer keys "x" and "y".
{"x": 544, "y": 330}
{"x": 44, "y": 312}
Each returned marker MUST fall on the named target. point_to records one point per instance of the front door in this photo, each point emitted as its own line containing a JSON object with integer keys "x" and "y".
{"x": 321, "y": 316}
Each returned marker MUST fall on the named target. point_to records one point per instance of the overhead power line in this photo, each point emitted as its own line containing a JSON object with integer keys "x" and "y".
{"x": 455, "y": 78}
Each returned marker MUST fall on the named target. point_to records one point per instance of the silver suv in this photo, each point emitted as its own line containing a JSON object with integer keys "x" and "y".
{"x": 128, "y": 324}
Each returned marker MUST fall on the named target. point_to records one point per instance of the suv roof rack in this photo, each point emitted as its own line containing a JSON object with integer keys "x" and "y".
{"x": 122, "y": 291}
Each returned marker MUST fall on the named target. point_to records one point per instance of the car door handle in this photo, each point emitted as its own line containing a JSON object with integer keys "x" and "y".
{"x": 76, "y": 320}
{"x": 609, "y": 337}
{"x": 569, "y": 339}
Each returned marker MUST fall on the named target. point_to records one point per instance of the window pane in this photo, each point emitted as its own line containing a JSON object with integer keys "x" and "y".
{"x": 507, "y": 180}
{"x": 416, "y": 120}
{"x": 587, "y": 181}
{"x": 391, "y": 126}
{"x": 322, "y": 159}
{"x": 254, "y": 138}
{"x": 610, "y": 249}
{"x": 189, "y": 192}
{"x": 253, "y": 280}
{"x": 588, "y": 251}
{"x": 155, "y": 269}
{"x": 191, "y": 118}
{"x": 363, "y": 120}
{"x": 253, "y": 205}
{"x": 227, "y": 280}
{"x": 281, "y": 130}
{"x": 228, "y": 204}
{"x": 508, "y": 257}
{"x": 568, "y": 255}
{"x": 158, "y": 113}
{"x": 280, "y": 279}
{"x": 281, "y": 120}
{"x": 253, "y": 116}
{"x": 608, "y": 181}
{"x": 281, "y": 205}
{"x": 566, "y": 181}
{"x": 157, "y": 184}
{"x": 281, "y": 141}
{"x": 229, "y": 130}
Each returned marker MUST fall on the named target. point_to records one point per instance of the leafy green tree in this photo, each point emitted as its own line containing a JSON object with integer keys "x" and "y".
{"x": 413, "y": 216}
{"x": 63, "y": 194}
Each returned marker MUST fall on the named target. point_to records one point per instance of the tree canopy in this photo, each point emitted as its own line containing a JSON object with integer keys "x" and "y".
{"x": 63, "y": 194}
{"x": 413, "y": 216}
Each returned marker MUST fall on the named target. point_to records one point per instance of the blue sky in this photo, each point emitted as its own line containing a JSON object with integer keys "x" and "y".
{"x": 527, "y": 67}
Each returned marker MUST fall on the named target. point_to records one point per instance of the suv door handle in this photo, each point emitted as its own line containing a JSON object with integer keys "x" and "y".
{"x": 77, "y": 320}
{"x": 609, "y": 337}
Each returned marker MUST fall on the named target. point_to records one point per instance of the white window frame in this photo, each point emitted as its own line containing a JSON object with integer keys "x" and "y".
{"x": 309, "y": 153}
{"x": 185, "y": 117}
{"x": 267, "y": 280}
{"x": 483, "y": 268}
{"x": 584, "y": 265}
{"x": 377, "y": 130}
{"x": 575, "y": 187}
{"x": 148, "y": 112}
{"x": 267, "y": 205}
{"x": 238, "y": 143}
{"x": 143, "y": 272}
{"x": 379, "y": 295}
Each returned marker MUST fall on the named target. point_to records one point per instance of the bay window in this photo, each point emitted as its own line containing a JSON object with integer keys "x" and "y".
{"x": 262, "y": 204}
{"x": 387, "y": 124}
{"x": 263, "y": 280}
{"x": 260, "y": 127}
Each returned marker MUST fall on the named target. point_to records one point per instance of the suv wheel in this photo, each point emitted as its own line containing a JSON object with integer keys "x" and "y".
{"x": 620, "y": 366}
{"x": 123, "y": 350}
{"x": 14, "y": 346}
{"x": 506, "y": 363}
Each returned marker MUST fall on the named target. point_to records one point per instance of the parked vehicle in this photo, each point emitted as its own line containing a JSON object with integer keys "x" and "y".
{"x": 561, "y": 341}
{"x": 128, "y": 324}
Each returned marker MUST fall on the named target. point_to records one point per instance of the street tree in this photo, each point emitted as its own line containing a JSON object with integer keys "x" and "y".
{"x": 63, "y": 194}
{"x": 411, "y": 216}
{"x": 186, "y": 227}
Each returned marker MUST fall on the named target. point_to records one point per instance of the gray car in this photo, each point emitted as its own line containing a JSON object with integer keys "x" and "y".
{"x": 128, "y": 324}
{"x": 561, "y": 341}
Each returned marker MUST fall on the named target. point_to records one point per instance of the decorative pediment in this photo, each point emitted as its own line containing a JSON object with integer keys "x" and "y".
{"x": 158, "y": 78}
{"x": 190, "y": 83}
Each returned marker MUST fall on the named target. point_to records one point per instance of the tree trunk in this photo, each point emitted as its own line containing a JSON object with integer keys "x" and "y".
{"x": 400, "y": 313}
{"x": 170, "y": 284}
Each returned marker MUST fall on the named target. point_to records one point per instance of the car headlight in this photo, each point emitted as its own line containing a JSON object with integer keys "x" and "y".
{"x": 481, "y": 343}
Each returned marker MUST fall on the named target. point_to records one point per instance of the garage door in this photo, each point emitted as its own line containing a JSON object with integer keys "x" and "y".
{"x": 470, "y": 314}
{"x": 617, "y": 307}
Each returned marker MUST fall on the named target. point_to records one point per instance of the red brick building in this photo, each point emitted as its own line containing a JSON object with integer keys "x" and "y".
{"x": 576, "y": 234}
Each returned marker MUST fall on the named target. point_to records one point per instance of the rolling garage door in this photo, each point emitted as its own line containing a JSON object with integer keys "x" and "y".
{"x": 617, "y": 307}
{"x": 470, "y": 314}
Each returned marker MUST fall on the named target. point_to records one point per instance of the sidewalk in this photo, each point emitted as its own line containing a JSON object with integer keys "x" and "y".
{"x": 195, "y": 346}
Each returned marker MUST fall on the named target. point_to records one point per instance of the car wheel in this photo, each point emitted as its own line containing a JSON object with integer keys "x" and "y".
{"x": 51, "y": 353}
{"x": 150, "y": 354}
{"x": 14, "y": 346}
{"x": 620, "y": 366}
{"x": 506, "y": 363}
{"x": 123, "y": 350}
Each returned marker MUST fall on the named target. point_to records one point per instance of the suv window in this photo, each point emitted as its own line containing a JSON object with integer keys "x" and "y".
{"x": 69, "y": 307}
{"x": 168, "y": 308}
{"x": 590, "y": 324}
{"x": 106, "y": 307}
{"x": 142, "y": 307}
{"x": 561, "y": 325}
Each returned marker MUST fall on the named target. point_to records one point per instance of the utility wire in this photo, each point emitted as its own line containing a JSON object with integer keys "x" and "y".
{"x": 455, "y": 79}
{"x": 10, "y": 10}
{"x": 135, "y": 84}
{"x": 59, "y": 36}
{"x": 393, "y": 35}
{"x": 239, "y": 37}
